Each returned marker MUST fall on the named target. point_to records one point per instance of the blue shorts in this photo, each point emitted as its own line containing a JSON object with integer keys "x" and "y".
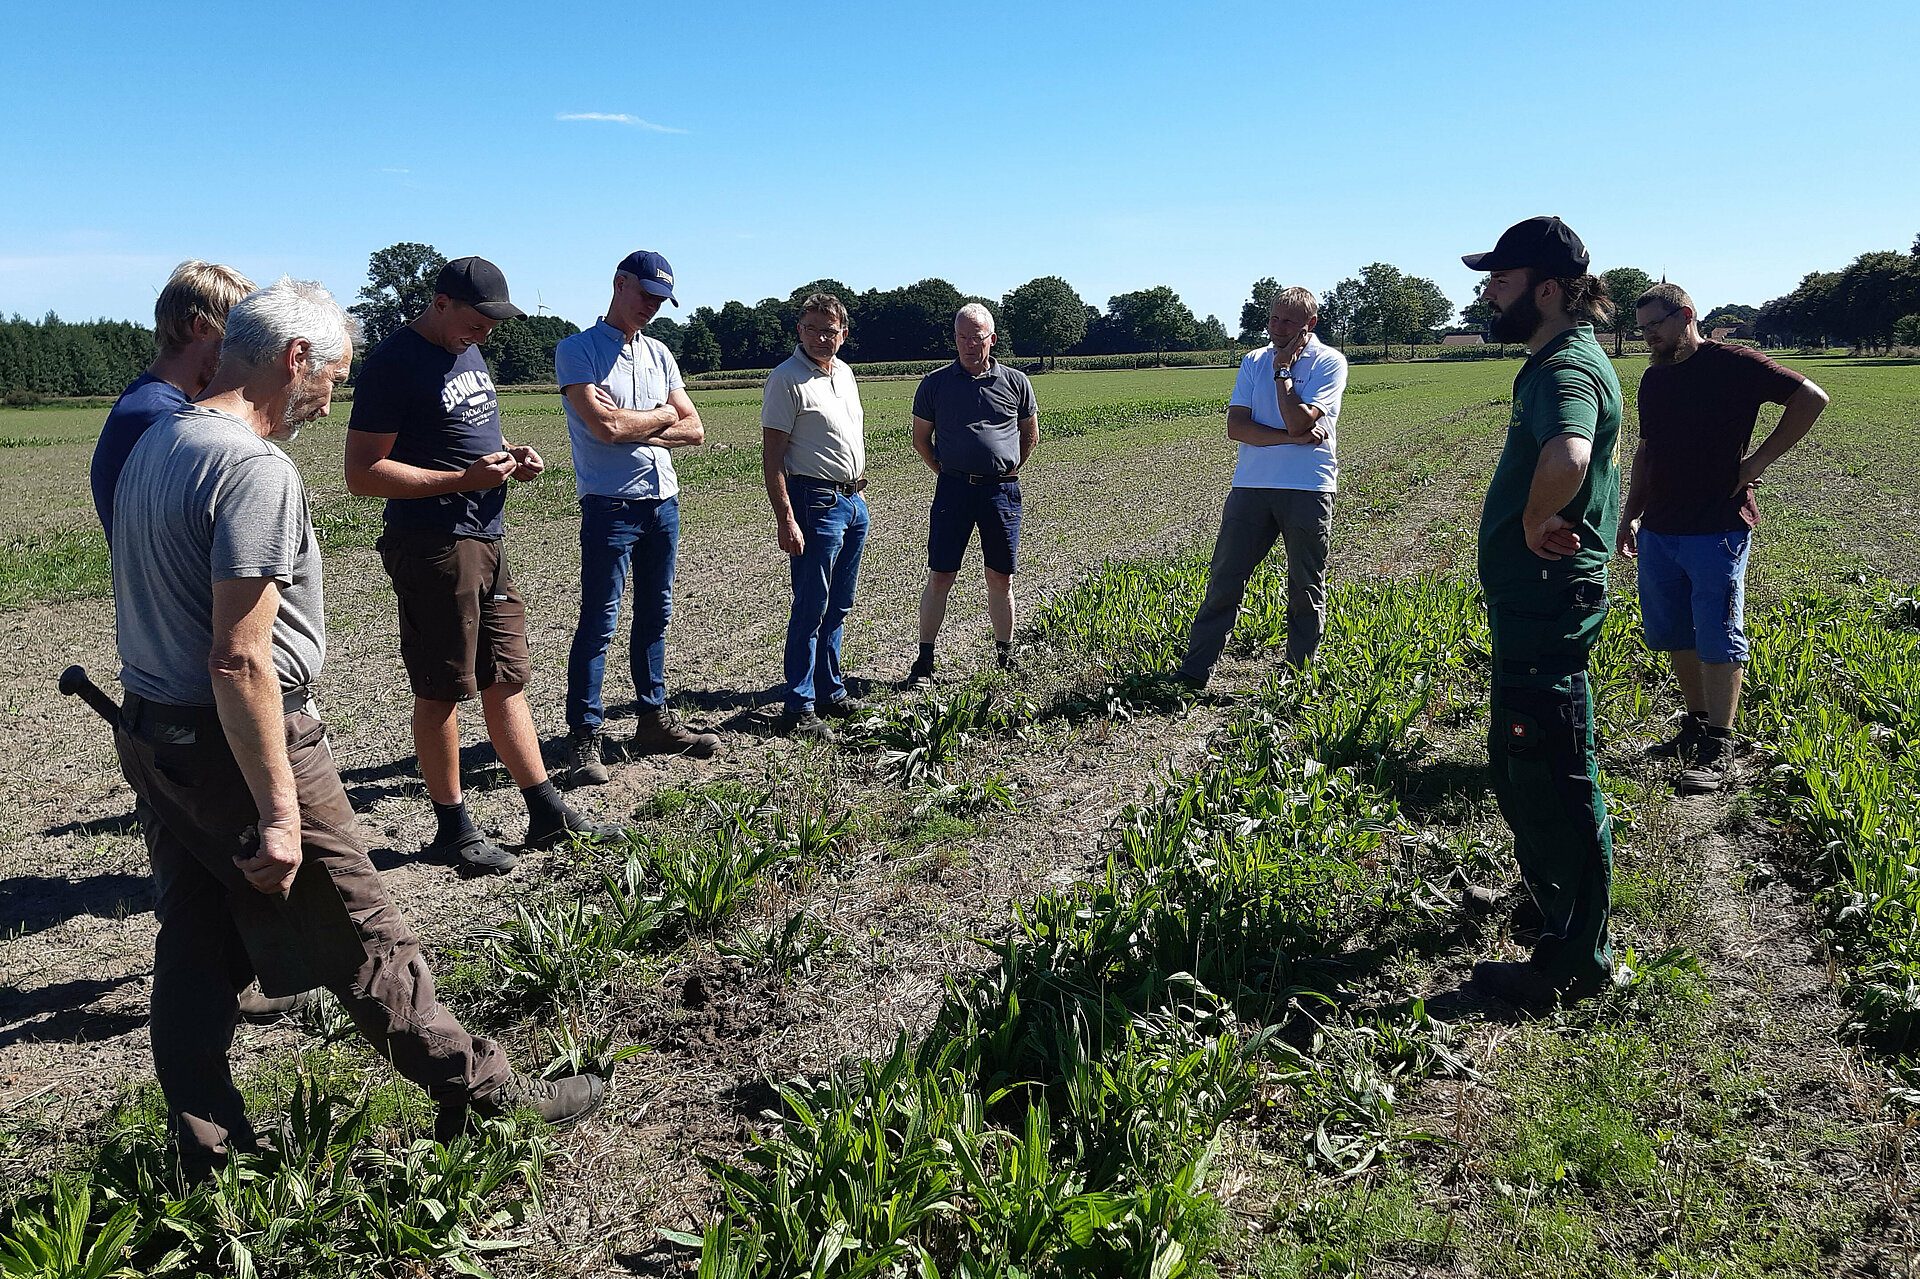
{"x": 1693, "y": 593}
{"x": 959, "y": 505}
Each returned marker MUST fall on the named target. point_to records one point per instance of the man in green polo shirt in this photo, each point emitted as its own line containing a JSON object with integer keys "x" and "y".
{"x": 1545, "y": 535}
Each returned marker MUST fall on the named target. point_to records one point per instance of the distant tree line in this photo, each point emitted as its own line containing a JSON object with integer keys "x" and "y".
{"x": 399, "y": 286}
{"x": 49, "y": 357}
{"x": 1873, "y": 302}
{"x": 1042, "y": 318}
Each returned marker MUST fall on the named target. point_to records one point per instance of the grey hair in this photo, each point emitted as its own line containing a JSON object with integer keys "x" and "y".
{"x": 262, "y": 324}
{"x": 626, "y": 275}
{"x": 975, "y": 312}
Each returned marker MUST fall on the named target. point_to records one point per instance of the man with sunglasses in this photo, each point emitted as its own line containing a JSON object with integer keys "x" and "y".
{"x": 813, "y": 455}
{"x": 1690, "y": 514}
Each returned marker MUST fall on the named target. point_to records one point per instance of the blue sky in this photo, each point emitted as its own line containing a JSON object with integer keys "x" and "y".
{"x": 1119, "y": 145}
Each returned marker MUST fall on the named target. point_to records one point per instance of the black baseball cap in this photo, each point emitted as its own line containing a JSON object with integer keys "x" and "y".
{"x": 654, "y": 272}
{"x": 479, "y": 284}
{"x": 1546, "y": 244}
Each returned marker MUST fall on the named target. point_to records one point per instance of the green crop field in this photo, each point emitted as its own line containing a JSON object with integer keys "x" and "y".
{"x": 1067, "y": 972}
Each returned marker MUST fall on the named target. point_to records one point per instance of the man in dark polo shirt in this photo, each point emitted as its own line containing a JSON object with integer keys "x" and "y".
{"x": 1544, "y": 537}
{"x": 425, "y": 435}
{"x": 975, "y": 423}
{"x": 1690, "y": 513}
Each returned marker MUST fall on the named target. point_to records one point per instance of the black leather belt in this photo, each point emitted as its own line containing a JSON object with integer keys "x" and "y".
{"x": 182, "y": 725}
{"x": 851, "y": 488}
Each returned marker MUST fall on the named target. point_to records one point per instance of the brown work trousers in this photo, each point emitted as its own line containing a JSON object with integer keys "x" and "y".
{"x": 337, "y": 928}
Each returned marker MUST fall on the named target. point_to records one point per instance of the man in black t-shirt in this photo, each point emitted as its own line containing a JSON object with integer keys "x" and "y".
{"x": 1690, "y": 513}
{"x": 425, "y": 435}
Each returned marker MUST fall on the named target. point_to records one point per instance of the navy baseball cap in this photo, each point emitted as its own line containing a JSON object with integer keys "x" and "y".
{"x": 655, "y": 273}
{"x": 1546, "y": 244}
{"x": 478, "y": 283}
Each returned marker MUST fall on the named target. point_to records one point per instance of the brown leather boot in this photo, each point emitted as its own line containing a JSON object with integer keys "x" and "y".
{"x": 658, "y": 733}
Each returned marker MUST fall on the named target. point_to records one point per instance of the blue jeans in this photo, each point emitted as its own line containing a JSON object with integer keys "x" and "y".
{"x": 824, "y": 573}
{"x": 618, "y": 534}
{"x": 1693, "y": 593}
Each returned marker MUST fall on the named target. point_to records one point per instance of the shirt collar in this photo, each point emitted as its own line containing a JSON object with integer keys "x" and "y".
{"x": 993, "y": 366}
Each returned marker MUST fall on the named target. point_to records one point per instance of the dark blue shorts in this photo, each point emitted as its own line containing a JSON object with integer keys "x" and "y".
{"x": 958, "y": 507}
{"x": 1693, "y": 593}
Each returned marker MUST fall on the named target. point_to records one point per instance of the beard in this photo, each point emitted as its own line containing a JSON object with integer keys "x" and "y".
{"x": 1517, "y": 322}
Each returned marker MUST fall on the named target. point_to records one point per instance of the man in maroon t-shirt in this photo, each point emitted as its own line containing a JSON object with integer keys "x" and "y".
{"x": 1690, "y": 513}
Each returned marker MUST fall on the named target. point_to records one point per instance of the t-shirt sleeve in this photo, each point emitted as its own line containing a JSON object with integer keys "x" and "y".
{"x": 1330, "y": 385}
{"x": 572, "y": 364}
{"x": 776, "y": 404}
{"x": 377, "y": 400}
{"x": 259, "y": 521}
{"x": 1029, "y": 406}
{"x": 923, "y": 399}
{"x": 1244, "y": 383}
{"x": 1766, "y": 380}
{"x": 674, "y": 381}
{"x": 1569, "y": 400}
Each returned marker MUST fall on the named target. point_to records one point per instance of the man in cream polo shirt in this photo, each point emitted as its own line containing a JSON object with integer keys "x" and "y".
{"x": 1285, "y": 404}
{"x": 813, "y": 455}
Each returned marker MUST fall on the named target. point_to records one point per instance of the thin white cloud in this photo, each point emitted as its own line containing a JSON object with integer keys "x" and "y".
{"x": 618, "y": 117}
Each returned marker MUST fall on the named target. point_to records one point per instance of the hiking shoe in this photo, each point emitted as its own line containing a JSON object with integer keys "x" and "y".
{"x": 1713, "y": 768}
{"x": 1519, "y": 984}
{"x": 476, "y": 853}
{"x": 1683, "y": 744}
{"x": 1527, "y": 921}
{"x": 559, "y": 1102}
{"x": 588, "y": 769}
{"x": 805, "y": 724}
{"x": 256, "y": 1007}
{"x": 658, "y": 733}
{"x": 573, "y": 825}
{"x": 919, "y": 675}
{"x": 844, "y": 708}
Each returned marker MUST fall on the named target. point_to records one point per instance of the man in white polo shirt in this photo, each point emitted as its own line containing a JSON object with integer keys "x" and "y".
{"x": 626, "y": 407}
{"x": 1285, "y": 404}
{"x": 813, "y": 454}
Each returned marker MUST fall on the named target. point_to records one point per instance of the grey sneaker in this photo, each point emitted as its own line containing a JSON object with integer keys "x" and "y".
{"x": 1714, "y": 768}
{"x": 919, "y": 675}
{"x": 588, "y": 769}
{"x": 256, "y": 1007}
{"x": 559, "y": 1102}
{"x": 478, "y": 855}
{"x": 1683, "y": 744}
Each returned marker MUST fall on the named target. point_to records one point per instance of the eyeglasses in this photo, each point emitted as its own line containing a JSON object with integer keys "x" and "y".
{"x": 815, "y": 331}
{"x": 1645, "y": 328}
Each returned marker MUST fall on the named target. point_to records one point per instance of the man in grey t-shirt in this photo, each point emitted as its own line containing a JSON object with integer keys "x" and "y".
{"x": 975, "y": 423}
{"x": 256, "y": 866}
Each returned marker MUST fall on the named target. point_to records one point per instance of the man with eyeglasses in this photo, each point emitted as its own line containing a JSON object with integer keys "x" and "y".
{"x": 626, "y": 409}
{"x": 1690, "y": 514}
{"x": 813, "y": 457}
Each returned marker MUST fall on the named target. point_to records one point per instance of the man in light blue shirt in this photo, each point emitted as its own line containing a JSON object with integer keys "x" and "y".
{"x": 626, "y": 408}
{"x": 1285, "y": 406}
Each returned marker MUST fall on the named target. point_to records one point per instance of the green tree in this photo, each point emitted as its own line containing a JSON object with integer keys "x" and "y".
{"x": 1254, "y": 312}
{"x": 520, "y": 351}
{"x": 1388, "y": 307}
{"x": 914, "y": 322}
{"x": 699, "y": 351}
{"x": 1906, "y": 330}
{"x": 667, "y": 331}
{"x": 1339, "y": 308}
{"x": 1153, "y": 319}
{"x": 1625, "y": 284}
{"x": 1045, "y": 317}
{"x": 399, "y": 287}
{"x": 1432, "y": 310}
{"x": 1211, "y": 335}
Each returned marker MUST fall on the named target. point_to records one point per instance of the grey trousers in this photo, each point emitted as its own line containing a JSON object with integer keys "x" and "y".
{"x": 1253, "y": 518}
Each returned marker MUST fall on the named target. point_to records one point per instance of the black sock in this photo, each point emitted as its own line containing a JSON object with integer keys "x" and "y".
{"x": 456, "y": 828}
{"x": 1002, "y": 651}
{"x": 1713, "y": 731}
{"x": 926, "y": 653}
{"x": 546, "y": 811}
